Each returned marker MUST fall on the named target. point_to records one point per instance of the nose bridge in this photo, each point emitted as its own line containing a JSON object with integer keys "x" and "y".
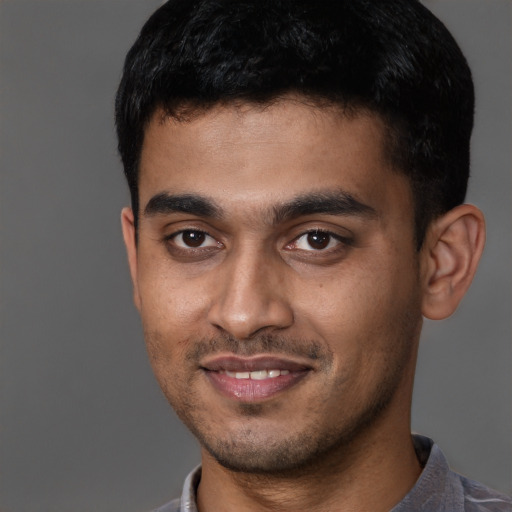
{"x": 250, "y": 296}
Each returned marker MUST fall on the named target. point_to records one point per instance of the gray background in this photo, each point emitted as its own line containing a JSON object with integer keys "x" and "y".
{"x": 83, "y": 426}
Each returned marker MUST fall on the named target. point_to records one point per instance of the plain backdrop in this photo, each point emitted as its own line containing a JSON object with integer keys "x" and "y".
{"x": 83, "y": 425}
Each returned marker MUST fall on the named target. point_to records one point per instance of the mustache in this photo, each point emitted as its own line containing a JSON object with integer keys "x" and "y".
{"x": 261, "y": 344}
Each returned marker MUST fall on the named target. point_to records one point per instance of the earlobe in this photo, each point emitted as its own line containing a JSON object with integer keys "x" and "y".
{"x": 129, "y": 236}
{"x": 450, "y": 256}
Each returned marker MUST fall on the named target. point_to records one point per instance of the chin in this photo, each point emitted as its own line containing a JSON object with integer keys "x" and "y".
{"x": 264, "y": 456}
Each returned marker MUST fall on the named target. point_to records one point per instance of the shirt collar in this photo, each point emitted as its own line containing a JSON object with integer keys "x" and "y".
{"x": 188, "y": 496}
{"x": 437, "y": 488}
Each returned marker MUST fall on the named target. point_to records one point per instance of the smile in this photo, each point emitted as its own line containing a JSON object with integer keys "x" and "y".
{"x": 253, "y": 379}
{"x": 257, "y": 375}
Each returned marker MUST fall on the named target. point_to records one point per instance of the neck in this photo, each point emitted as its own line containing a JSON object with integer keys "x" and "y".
{"x": 373, "y": 472}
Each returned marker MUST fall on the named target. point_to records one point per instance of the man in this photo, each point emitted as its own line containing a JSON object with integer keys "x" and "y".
{"x": 297, "y": 173}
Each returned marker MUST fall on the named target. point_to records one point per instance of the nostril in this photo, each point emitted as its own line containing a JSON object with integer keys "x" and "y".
{"x": 251, "y": 319}
{"x": 247, "y": 299}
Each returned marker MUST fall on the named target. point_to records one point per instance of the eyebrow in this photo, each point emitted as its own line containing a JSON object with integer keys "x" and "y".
{"x": 326, "y": 203}
{"x": 165, "y": 203}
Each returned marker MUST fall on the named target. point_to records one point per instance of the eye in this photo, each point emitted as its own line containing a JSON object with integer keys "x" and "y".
{"x": 193, "y": 239}
{"x": 316, "y": 241}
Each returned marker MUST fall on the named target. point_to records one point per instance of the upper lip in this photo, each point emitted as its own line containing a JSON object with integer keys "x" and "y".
{"x": 234, "y": 363}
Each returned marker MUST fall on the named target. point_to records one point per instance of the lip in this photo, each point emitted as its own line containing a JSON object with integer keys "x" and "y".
{"x": 249, "y": 390}
{"x": 234, "y": 363}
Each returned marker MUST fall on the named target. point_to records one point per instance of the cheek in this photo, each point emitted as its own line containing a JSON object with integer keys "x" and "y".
{"x": 362, "y": 305}
{"x": 170, "y": 304}
{"x": 170, "y": 321}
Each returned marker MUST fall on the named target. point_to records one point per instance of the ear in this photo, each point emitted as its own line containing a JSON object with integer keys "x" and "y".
{"x": 128, "y": 226}
{"x": 450, "y": 256}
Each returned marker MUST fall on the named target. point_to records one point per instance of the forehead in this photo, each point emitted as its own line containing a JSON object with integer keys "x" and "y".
{"x": 252, "y": 154}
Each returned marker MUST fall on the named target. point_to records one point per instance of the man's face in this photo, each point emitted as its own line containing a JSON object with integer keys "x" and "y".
{"x": 277, "y": 279}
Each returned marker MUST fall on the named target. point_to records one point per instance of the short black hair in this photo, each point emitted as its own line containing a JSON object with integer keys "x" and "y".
{"x": 393, "y": 58}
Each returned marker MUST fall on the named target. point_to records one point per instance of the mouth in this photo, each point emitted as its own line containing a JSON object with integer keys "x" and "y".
{"x": 257, "y": 375}
{"x": 254, "y": 379}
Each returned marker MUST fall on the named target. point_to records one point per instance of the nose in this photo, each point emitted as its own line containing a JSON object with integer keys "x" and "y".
{"x": 250, "y": 297}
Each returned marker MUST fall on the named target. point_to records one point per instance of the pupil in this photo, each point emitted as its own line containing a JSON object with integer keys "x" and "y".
{"x": 193, "y": 238}
{"x": 318, "y": 240}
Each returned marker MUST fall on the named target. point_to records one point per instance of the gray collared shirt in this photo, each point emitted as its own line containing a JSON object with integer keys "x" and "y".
{"x": 438, "y": 489}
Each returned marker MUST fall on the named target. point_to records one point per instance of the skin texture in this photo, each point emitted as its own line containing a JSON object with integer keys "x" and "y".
{"x": 230, "y": 266}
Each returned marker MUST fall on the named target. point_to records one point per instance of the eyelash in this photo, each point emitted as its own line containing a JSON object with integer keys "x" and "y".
{"x": 342, "y": 243}
{"x": 198, "y": 232}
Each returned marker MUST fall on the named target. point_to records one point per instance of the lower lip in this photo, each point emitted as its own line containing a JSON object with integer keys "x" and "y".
{"x": 248, "y": 390}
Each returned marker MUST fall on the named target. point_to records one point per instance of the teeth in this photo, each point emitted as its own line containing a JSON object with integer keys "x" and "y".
{"x": 257, "y": 375}
{"x": 260, "y": 375}
{"x": 242, "y": 375}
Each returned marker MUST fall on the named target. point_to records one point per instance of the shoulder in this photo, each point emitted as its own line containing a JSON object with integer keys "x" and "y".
{"x": 440, "y": 489}
{"x": 479, "y": 498}
{"x": 172, "y": 506}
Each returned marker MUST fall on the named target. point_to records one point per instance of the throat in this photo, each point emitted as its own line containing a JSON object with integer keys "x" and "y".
{"x": 372, "y": 483}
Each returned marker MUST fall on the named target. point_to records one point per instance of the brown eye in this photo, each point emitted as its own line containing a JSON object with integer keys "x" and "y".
{"x": 318, "y": 240}
{"x": 193, "y": 238}
{"x": 192, "y": 245}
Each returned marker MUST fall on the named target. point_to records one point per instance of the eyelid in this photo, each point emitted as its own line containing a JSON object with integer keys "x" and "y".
{"x": 341, "y": 241}
{"x": 175, "y": 235}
